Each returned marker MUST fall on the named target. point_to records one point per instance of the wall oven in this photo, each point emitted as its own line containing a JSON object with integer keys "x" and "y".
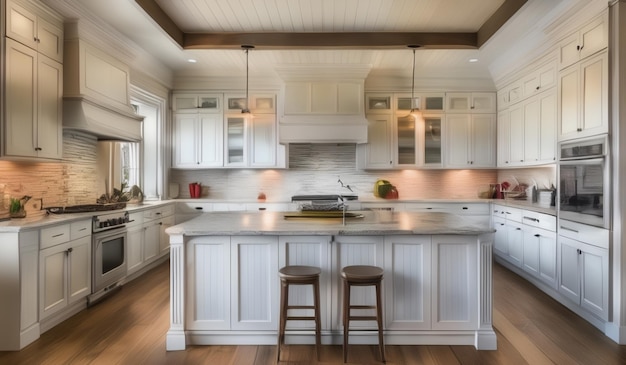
{"x": 584, "y": 182}
{"x": 109, "y": 242}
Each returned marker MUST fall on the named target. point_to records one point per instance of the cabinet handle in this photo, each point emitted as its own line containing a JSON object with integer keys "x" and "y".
{"x": 518, "y": 229}
{"x": 465, "y": 208}
{"x": 537, "y": 235}
{"x": 537, "y": 88}
{"x": 569, "y": 229}
{"x": 580, "y": 252}
{"x": 58, "y": 235}
{"x": 579, "y": 129}
{"x": 532, "y": 219}
{"x": 199, "y": 208}
{"x": 160, "y": 223}
{"x": 38, "y": 148}
{"x": 69, "y": 251}
{"x": 157, "y": 213}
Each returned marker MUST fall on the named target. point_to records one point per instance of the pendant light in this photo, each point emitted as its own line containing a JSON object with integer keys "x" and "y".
{"x": 415, "y": 103}
{"x": 246, "y": 109}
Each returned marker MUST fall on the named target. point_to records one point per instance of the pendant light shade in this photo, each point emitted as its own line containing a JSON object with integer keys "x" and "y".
{"x": 415, "y": 102}
{"x": 246, "y": 109}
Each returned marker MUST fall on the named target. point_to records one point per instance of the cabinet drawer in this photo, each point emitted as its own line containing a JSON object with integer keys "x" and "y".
{"x": 80, "y": 229}
{"x": 539, "y": 220}
{"x": 584, "y": 233}
{"x": 511, "y": 214}
{"x": 159, "y": 212}
{"x": 135, "y": 219}
{"x": 52, "y": 236}
{"x": 188, "y": 208}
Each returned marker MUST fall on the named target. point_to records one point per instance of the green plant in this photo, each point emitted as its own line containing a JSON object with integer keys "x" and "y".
{"x": 15, "y": 205}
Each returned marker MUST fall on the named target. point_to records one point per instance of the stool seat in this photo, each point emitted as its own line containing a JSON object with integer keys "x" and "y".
{"x": 299, "y": 275}
{"x": 362, "y": 275}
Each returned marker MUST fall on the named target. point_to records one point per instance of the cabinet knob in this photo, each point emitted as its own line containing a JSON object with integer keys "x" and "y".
{"x": 38, "y": 148}
{"x": 537, "y": 88}
{"x": 579, "y": 129}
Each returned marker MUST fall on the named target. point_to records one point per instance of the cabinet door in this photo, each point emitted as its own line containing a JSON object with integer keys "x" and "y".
{"x": 194, "y": 103}
{"x": 594, "y": 88}
{"x": 504, "y": 138}
{"x": 406, "y": 140}
{"x": 50, "y": 39}
{"x": 569, "y": 86}
{"x": 262, "y": 140}
{"x": 531, "y": 241}
{"x": 483, "y": 140}
{"x": 79, "y": 269}
{"x": 458, "y": 102}
{"x": 516, "y": 243}
{"x": 134, "y": 253}
{"x": 309, "y": 251}
{"x": 455, "y": 269}
{"x": 378, "y": 147}
{"x": 594, "y": 37}
{"x": 378, "y": 104}
{"x": 235, "y": 141}
{"x": 20, "y": 100}
{"x": 516, "y": 130}
{"x": 164, "y": 238}
{"x": 594, "y": 271}
{"x": 457, "y": 141}
{"x": 407, "y": 282}
{"x": 569, "y": 273}
{"x": 49, "y": 112}
{"x": 186, "y": 141}
{"x": 208, "y": 283}
{"x": 151, "y": 241}
{"x": 431, "y": 129}
{"x": 547, "y": 257}
{"x": 501, "y": 242}
{"x": 53, "y": 293}
{"x": 532, "y": 128}
{"x": 210, "y": 147}
{"x": 21, "y": 25}
{"x": 254, "y": 294}
{"x": 547, "y": 129}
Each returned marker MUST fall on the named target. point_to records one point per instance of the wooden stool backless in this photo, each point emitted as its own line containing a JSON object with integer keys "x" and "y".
{"x": 299, "y": 275}
{"x": 362, "y": 275}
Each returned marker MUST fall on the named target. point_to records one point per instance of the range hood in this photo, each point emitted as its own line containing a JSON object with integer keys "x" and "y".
{"x": 323, "y": 104}
{"x": 96, "y": 91}
{"x": 106, "y": 124}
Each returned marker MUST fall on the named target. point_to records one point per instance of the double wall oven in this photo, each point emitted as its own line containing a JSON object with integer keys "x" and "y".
{"x": 584, "y": 176}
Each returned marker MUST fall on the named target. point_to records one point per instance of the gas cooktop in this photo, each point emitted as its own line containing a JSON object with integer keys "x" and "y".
{"x": 86, "y": 208}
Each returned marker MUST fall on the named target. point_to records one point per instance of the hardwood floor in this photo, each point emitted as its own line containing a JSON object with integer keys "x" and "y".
{"x": 130, "y": 327}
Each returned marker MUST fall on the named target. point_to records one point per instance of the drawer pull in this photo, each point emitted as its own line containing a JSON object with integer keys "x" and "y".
{"x": 58, "y": 235}
{"x": 537, "y": 235}
{"x": 199, "y": 208}
{"x": 465, "y": 208}
{"x": 569, "y": 229}
{"x": 532, "y": 219}
{"x": 82, "y": 229}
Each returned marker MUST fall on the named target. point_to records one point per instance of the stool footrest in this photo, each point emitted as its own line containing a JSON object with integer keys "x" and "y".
{"x": 362, "y": 318}
{"x": 300, "y": 318}
{"x": 362, "y": 307}
{"x": 300, "y": 307}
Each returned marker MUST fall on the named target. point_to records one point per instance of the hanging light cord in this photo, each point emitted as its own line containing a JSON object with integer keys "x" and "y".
{"x": 247, "y": 70}
{"x": 413, "y": 84}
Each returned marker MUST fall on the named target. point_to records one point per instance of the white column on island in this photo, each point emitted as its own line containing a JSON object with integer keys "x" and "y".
{"x": 175, "y": 338}
{"x": 486, "y": 336}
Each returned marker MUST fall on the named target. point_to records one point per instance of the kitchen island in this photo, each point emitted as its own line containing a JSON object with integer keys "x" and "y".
{"x": 437, "y": 287}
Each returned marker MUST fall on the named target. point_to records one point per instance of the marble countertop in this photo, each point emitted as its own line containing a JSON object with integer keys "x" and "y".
{"x": 372, "y": 223}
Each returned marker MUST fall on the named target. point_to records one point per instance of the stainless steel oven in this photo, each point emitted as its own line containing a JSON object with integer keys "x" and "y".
{"x": 109, "y": 246}
{"x": 584, "y": 182}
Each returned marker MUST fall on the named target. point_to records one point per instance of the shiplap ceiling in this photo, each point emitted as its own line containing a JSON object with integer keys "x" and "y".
{"x": 287, "y": 16}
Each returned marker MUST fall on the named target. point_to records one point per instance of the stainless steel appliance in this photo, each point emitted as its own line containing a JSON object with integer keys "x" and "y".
{"x": 109, "y": 246}
{"x": 584, "y": 176}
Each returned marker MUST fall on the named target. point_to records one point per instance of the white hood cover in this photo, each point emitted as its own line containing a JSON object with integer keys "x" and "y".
{"x": 107, "y": 124}
{"x": 323, "y": 129}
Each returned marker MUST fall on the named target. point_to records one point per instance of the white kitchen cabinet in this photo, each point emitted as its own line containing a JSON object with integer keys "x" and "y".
{"x": 259, "y": 103}
{"x": 198, "y": 141}
{"x": 509, "y": 95}
{"x": 197, "y": 103}
{"x": 583, "y": 275}
{"x": 503, "y": 133}
{"x": 236, "y": 140}
{"x": 310, "y": 251}
{"x": 509, "y": 234}
{"x": 251, "y": 141}
{"x": 33, "y": 116}
{"x": 164, "y": 238}
{"x": 377, "y": 153}
{"x": 135, "y": 237}
{"x": 455, "y": 269}
{"x": 501, "y": 241}
{"x": 324, "y": 98}
{"x": 64, "y": 275}
{"x": 470, "y": 141}
{"x": 376, "y": 103}
{"x": 425, "y": 102}
{"x": 540, "y": 254}
{"x": 589, "y": 40}
{"x": 151, "y": 241}
{"x": 32, "y": 29}
{"x": 584, "y": 98}
{"x": 254, "y": 293}
{"x": 539, "y": 80}
{"x": 470, "y": 103}
{"x": 407, "y": 282}
{"x": 263, "y": 144}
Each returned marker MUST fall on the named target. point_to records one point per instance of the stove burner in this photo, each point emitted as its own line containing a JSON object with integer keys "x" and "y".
{"x": 85, "y": 208}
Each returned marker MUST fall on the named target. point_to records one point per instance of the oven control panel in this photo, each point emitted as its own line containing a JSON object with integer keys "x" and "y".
{"x": 104, "y": 222}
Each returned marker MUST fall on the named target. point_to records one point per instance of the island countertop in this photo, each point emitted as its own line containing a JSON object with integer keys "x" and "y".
{"x": 371, "y": 223}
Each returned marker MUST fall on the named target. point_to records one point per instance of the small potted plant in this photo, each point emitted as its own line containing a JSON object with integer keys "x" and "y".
{"x": 16, "y": 207}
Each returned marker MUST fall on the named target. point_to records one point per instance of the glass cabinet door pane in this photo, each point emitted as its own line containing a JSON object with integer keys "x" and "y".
{"x": 235, "y": 139}
{"x": 208, "y": 102}
{"x": 434, "y": 103}
{"x": 406, "y": 140}
{"x": 405, "y": 103}
{"x": 185, "y": 102}
{"x": 432, "y": 140}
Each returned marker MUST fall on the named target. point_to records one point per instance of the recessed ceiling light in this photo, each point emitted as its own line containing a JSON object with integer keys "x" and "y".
{"x": 191, "y": 60}
{"x": 472, "y": 60}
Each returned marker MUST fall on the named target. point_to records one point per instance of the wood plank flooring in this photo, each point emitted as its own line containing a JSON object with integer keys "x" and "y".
{"x": 129, "y": 328}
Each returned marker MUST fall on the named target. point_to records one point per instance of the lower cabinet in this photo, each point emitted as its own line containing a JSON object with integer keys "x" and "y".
{"x": 64, "y": 275}
{"x": 584, "y": 275}
{"x": 147, "y": 240}
{"x": 540, "y": 254}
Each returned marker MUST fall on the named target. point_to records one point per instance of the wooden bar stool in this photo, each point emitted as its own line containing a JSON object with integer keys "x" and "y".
{"x": 362, "y": 275}
{"x": 299, "y": 275}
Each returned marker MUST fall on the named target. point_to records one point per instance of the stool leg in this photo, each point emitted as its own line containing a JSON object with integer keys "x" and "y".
{"x": 284, "y": 294}
{"x": 318, "y": 323}
{"x": 379, "y": 320}
{"x": 346, "y": 318}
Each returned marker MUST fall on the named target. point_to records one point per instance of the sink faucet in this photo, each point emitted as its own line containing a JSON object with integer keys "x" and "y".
{"x": 342, "y": 184}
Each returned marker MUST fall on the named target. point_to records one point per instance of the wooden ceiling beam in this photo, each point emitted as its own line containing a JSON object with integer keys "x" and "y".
{"x": 328, "y": 40}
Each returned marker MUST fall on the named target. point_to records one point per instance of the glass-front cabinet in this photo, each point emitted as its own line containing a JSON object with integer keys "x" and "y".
{"x": 235, "y": 147}
{"x": 197, "y": 103}
{"x": 432, "y": 140}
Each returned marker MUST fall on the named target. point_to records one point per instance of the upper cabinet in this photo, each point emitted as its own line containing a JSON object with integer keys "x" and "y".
{"x": 470, "y": 141}
{"x": 470, "y": 103}
{"x": 34, "y": 30}
{"x": 197, "y": 103}
{"x": 584, "y": 98}
{"x": 324, "y": 97}
{"x": 588, "y": 41}
{"x": 34, "y": 85}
